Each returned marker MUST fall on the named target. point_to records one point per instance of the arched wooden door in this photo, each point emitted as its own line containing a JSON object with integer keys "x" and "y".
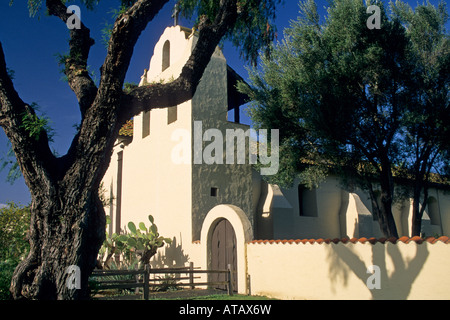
{"x": 223, "y": 252}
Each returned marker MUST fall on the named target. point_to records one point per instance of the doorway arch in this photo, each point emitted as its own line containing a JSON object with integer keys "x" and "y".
{"x": 243, "y": 233}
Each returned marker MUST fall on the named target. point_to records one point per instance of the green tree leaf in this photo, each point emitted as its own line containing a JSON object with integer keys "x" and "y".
{"x": 351, "y": 101}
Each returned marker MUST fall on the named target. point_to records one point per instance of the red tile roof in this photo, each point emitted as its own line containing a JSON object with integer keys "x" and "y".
{"x": 416, "y": 239}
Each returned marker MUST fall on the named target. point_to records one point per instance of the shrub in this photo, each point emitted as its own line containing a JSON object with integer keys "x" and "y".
{"x": 6, "y": 271}
{"x": 14, "y": 245}
{"x": 14, "y": 225}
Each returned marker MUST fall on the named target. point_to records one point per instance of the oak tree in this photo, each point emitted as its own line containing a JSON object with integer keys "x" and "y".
{"x": 426, "y": 142}
{"x": 348, "y": 98}
{"x": 67, "y": 216}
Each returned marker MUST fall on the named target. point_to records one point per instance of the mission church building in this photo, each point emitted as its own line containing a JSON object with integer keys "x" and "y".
{"x": 212, "y": 211}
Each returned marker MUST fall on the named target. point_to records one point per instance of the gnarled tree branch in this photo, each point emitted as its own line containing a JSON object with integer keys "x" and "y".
{"x": 92, "y": 147}
{"x": 33, "y": 153}
{"x": 76, "y": 63}
{"x": 183, "y": 88}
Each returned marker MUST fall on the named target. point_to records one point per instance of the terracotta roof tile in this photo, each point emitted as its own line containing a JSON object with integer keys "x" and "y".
{"x": 392, "y": 240}
{"x": 404, "y": 239}
{"x": 362, "y": 240}
{"x": 417, "y": 239}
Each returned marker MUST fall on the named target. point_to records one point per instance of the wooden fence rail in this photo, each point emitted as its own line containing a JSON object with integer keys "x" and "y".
{"x": 141, "y": 278}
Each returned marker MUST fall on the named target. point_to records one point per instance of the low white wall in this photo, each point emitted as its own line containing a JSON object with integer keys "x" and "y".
{"x": 319, "y": 270}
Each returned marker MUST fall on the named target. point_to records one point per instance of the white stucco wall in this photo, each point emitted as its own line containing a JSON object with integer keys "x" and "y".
{"x": 152, "y": 182}
{"x": 339, "y": 271}
{"x": 178, "y": 195}
{"x": 339, "y": 213}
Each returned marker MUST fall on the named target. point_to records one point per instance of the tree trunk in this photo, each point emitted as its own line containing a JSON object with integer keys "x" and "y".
{"x": 385, "y": 216}
{"x": 416, "y": 218}
{"x": 422, "y": 168}
{"x": 148, "y": 254}
{"x": 418, "y": 208}
{"x": 65, "y": 232}
{"x": 67, "y": 218}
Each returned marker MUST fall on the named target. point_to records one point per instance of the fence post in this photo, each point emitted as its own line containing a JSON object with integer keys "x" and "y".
{"x": 191, "y": 275}
{"x": 230, "y": 280}
{"x": 136, "y": 278}
{"x": 146, "y": 281}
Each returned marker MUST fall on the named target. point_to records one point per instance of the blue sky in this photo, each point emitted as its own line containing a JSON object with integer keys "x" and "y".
{"x": 31, "y": 46}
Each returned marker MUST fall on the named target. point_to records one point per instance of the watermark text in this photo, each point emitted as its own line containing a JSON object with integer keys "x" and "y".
{"x": 211, "y": 147}
{"x": 74, "y": 279}
{"x": 74, "y": 21}
{"x": 374, "y": 21}
{"x": 374, "y": 281}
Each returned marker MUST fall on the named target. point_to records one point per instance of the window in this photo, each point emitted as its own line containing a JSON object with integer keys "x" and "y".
{"x": 300, "y": 200}
{"x": 214, "y": 192}
{"x": 172, "y": 114}
{"x": 307, "y": 202}
{"x": 145, "y": 124}
{"x": 166, "y": 55}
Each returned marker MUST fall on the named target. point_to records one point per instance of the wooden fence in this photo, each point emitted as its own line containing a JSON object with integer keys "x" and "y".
{"x": 134, "y": 279}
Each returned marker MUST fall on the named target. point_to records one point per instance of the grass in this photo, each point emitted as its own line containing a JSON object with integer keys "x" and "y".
{"x": 233, "y": 297}
{"x": 213, "y": 297}
{"x": 208, "y": 296}
{"x": 177, "y": 294}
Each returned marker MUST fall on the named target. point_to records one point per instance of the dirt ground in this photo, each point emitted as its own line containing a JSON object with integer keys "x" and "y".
{"x": 170, "y": 295}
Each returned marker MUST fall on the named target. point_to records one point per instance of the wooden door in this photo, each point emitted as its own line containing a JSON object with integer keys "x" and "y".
{"x": 223, "y": 252}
